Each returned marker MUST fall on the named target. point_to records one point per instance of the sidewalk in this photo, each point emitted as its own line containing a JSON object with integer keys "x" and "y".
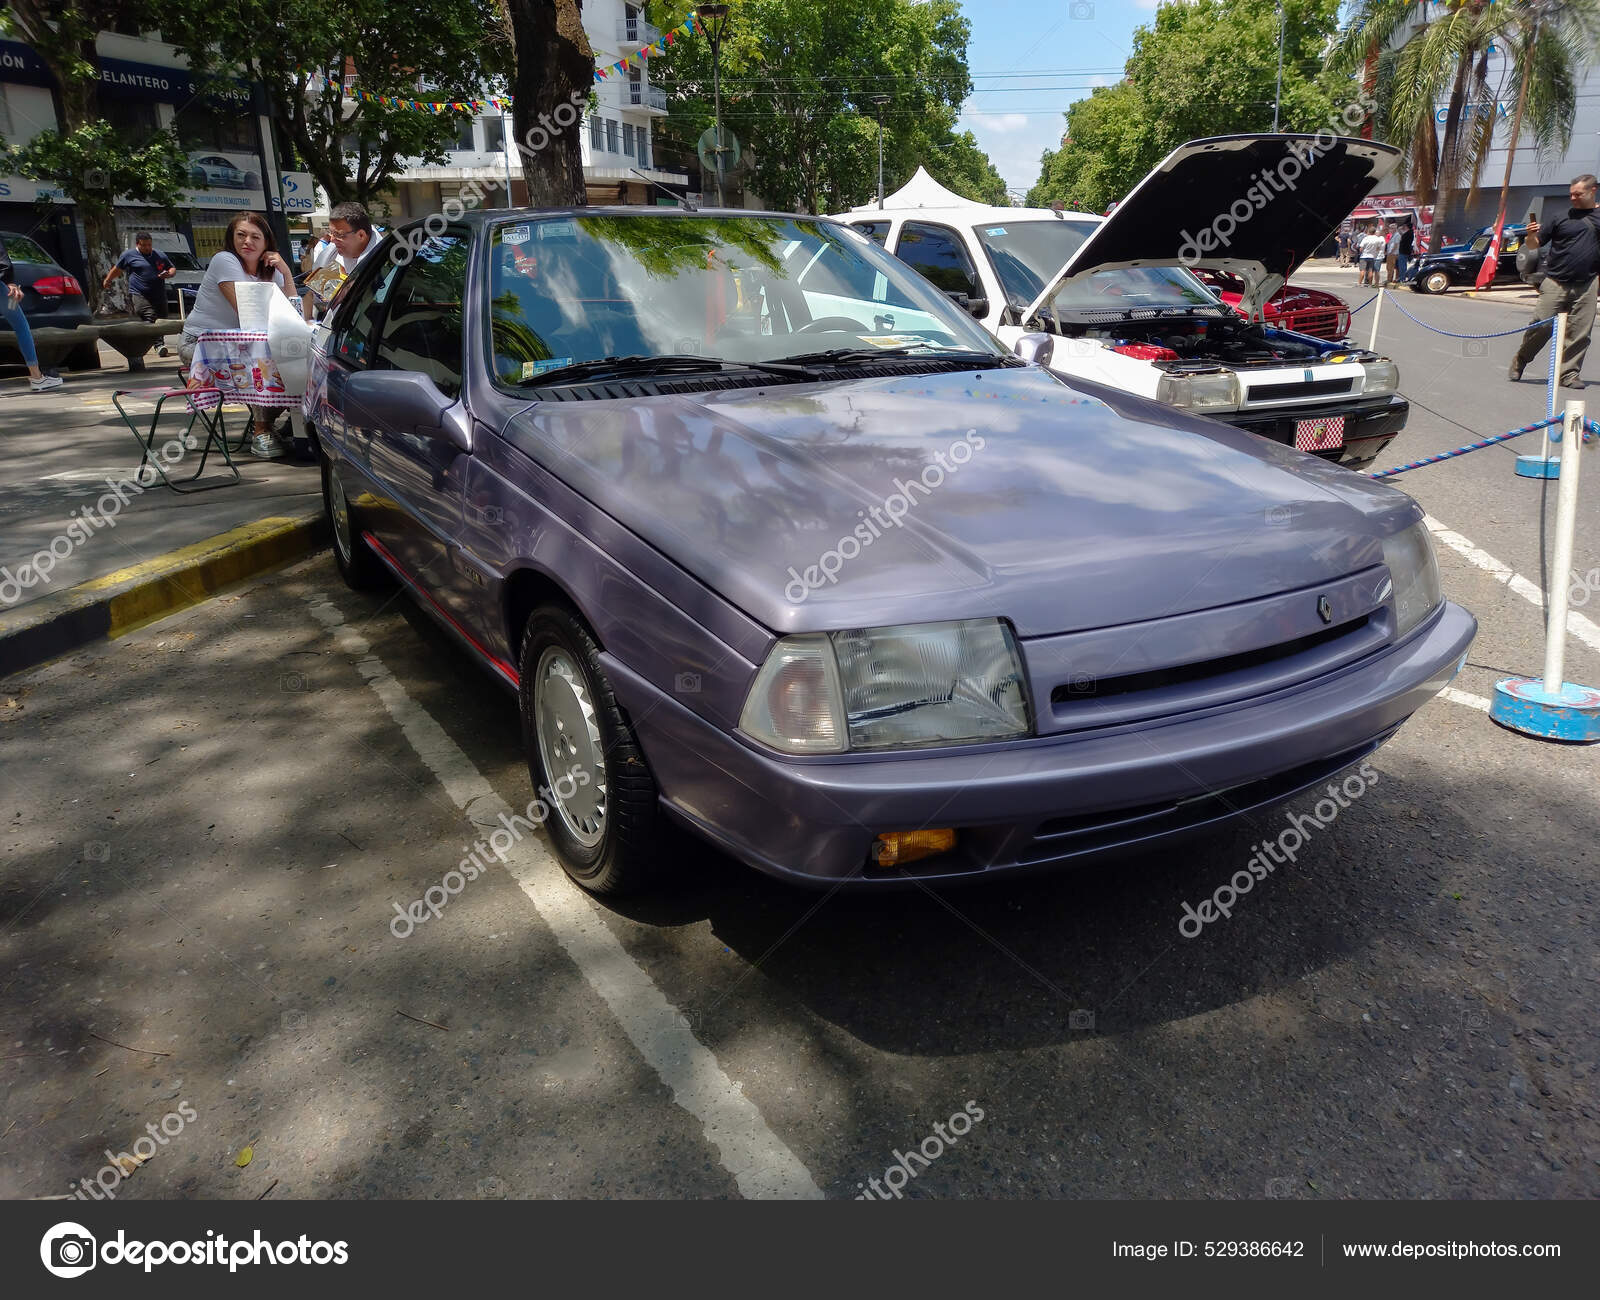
{"x": 68, "y": 450}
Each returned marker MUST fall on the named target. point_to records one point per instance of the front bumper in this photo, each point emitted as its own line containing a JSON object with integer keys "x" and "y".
{"x": 1040, "y": 803}
{"x": 1369, "y": 425}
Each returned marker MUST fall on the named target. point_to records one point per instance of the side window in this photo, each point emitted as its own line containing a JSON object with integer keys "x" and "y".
{"x": 359, "y": 316}
{"x": 878, "y": 230}
{"x": 423, "y": 329}
{"x": 937, "y": 252}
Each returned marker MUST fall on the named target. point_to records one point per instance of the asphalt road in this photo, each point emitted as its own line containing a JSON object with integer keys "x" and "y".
{"x": 210, "y": 823}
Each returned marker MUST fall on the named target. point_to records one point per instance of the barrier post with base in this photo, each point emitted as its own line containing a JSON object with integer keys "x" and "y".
{"x": 1555, "y": 709}
{"x": 1377, "y": 311}
{"x": 1544, "y": 465}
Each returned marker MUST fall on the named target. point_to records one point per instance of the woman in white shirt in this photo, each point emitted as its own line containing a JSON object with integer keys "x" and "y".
{"x": 248, "y": 253}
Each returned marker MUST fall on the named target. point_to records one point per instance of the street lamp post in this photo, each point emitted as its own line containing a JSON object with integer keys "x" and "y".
{"x": 880, "y": 101}
{"x": 1278, "y": 94}
{"x": 715, "y": 18}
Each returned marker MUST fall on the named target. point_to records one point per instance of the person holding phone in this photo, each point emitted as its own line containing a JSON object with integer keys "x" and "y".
{"x": 1571, "y": 265}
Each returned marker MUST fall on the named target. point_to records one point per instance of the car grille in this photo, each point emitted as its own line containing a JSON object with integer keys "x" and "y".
{"x": 1284, "y": 392}
{"x": 1320, "y": 322}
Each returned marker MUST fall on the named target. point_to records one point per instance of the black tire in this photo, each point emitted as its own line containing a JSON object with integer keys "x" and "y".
{"x": 606, "y": 831}
{"x": 358, "y": 566}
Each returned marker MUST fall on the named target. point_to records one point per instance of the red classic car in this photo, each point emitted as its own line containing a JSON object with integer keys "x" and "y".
{"x": 1294, "y": 307}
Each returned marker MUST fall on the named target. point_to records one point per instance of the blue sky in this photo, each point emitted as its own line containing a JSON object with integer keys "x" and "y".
{"x": 1031, "y": 58}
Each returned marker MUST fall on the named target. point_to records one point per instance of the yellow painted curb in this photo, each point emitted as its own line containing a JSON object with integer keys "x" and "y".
{"x": 189, "y": 575}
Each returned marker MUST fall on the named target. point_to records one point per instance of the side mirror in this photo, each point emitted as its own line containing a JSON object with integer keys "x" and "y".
{"x": 979, "y": 307}
{"x": 402, "y": 401}
{"x": 1035, "y": 349}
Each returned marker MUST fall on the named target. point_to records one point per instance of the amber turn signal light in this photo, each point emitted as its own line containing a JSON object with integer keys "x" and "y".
{"x": 896, "y": 848}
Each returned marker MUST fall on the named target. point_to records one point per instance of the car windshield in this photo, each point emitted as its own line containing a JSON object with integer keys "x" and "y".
{"x": 569, "y": 289}
{"x": 19, "y": 248}
{"x": 1027, "y": 255}
{"x": 1481, "y": 243}
{"x": 1127, "y": 287}
{"x": 180, "y": 260}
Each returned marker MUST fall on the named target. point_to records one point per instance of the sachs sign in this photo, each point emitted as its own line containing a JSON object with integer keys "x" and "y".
{"x": 299, "y": 193}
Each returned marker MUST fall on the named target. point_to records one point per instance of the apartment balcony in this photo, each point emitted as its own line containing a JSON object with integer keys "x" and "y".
{"x": 634, "y": 32}
{"x": 650, "y": 98}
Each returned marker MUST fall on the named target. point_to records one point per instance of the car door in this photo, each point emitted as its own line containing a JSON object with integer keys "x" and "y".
{"x": 420, "y": 476}
{"x": 354, "y": 322}
{"x": 940, "y": 255}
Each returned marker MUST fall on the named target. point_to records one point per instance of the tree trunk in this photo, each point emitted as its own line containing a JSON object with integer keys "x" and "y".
{"x": 1449, "y": 153}
{"x": 80, "y": 106}
{"x": 555, "y": 73}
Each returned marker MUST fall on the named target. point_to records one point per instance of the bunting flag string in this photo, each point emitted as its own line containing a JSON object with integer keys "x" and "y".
{"x": 502, "y": 104}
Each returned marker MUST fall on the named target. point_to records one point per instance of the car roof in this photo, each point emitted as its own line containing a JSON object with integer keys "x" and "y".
{"x": 498, "y": 215}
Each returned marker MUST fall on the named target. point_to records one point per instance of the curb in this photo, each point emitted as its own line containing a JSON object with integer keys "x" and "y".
{"x": 120, "y": 602}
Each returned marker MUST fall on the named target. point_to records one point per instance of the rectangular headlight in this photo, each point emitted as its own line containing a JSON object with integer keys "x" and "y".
{"x": 1381, "y": 377}
{"x": 1415, "y": 573}
{"x": 889, "y": 688}
{"x": 1199, "y": 392}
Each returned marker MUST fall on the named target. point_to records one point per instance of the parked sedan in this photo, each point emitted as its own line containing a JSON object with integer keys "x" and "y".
{"x": 1295, "y": 307}
{"x": 54, "y": 304}
{"x": 1458, "y": 267}
{"x": 213, "y": 171}
{"x": 855, "y": 606}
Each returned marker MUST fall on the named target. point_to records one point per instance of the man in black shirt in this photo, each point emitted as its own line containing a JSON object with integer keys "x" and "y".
{"x": 1569, "y": 283}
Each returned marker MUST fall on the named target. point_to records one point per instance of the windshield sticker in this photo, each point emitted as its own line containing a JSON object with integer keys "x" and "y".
{"x": 557, "y": 229}
{"x": 532, "y": 368}
{"x": 515, "y": 235}
{"x": 995, "y": 230}
{"x": 893, "y": 340}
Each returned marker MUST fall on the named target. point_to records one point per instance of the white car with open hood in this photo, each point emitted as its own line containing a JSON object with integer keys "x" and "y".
{"x": 1117, "y": 300}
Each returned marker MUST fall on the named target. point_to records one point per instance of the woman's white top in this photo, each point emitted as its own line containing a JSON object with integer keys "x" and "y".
{"x": 211, "y": 310}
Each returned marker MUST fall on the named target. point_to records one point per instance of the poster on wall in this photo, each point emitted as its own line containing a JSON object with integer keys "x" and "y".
{"x": 224, "y": 180}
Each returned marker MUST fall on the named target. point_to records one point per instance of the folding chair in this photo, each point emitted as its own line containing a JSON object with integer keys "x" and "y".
{"x": 210, "y": 417}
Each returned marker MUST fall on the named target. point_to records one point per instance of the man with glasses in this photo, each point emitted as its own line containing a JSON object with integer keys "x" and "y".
{"x": 354, "y": 235}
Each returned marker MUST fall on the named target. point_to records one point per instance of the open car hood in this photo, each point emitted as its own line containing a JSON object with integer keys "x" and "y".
{"x": 1292, "y": 190}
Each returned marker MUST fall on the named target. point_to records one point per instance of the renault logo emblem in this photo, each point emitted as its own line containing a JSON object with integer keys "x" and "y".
{"x": 1324, "y": 609}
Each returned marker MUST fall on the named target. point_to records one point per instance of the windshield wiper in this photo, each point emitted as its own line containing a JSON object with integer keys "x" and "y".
{"x": 639, "y": 366}
{"x": 854, "y": 356}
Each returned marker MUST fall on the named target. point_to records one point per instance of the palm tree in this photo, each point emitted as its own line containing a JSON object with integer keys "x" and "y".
{"x": 1445, "y": 57}
{"x": 1548, "y": 43}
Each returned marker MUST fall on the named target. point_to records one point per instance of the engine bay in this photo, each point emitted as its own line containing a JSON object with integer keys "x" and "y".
{"x": 1222, "y": 339}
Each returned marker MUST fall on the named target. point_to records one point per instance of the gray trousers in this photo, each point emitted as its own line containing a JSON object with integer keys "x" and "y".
{"x": 1577, "y": 300}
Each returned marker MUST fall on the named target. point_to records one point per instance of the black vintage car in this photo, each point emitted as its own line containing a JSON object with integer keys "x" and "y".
{"x": 1456, "y": 266}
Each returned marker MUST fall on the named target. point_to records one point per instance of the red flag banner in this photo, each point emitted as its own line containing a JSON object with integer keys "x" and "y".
{"x": 1491, "y": 259}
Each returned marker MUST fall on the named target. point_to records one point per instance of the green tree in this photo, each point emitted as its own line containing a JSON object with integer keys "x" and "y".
{"x": 429, "y": 50}
{"x": 554, "y": 74}
{"x": 798, "y": 81}
{"x": 92, "y": 160}
{"x": 1204, "y": 68}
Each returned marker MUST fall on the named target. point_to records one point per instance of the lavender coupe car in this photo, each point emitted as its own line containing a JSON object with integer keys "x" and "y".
{"x": 771, "y": 539}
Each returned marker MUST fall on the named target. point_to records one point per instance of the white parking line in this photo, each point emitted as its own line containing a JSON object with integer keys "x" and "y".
{"x": 1462, "y": 697}
{"x": 1577, "y": 625}
{"x": 760, "y": 1163}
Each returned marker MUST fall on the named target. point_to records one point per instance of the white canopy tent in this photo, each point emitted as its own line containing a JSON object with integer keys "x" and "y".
{"x": 921, "y": 191}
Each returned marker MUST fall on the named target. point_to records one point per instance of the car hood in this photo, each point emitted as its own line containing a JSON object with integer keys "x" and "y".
{"x": 1005, "y": 493}
{"x": 1294, "y": 191}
